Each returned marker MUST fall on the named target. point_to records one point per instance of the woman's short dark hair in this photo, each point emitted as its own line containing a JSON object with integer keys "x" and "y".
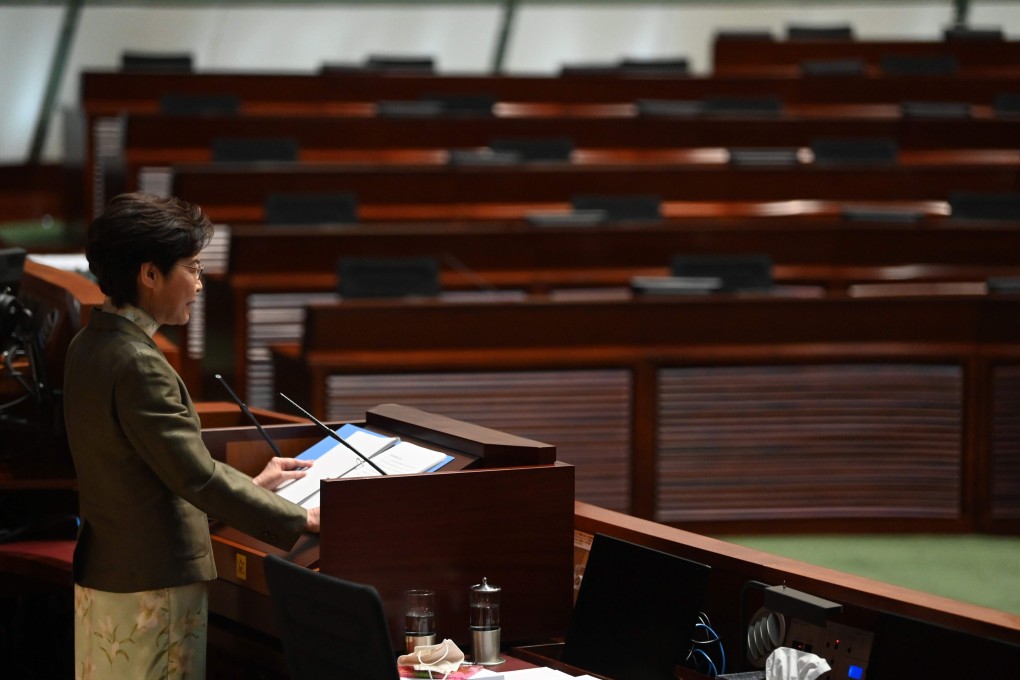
{"x": 138, "y": 228}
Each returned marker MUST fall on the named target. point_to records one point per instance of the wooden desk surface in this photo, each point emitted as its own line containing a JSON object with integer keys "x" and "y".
{"x": 236, "y": 194}
{"x": 111, "y": 93}
{"x": 30, "y": 565}
{"x": 159, "y": 139}
{"x": 713, "y": 321}
{"x": 274, "y": 257}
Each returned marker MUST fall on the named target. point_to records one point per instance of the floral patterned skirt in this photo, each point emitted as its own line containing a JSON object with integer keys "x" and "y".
{"x": 156, "y": 634}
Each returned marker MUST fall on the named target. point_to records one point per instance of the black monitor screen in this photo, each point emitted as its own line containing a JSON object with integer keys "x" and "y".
{"x": 311, "y": 208}
{"x": 12, "y": 266}
{"x": 388, "y": 277}
{"x": 636, "y": 611}
{"x": 752, "y": 271}
{"x": 907, "y": 648}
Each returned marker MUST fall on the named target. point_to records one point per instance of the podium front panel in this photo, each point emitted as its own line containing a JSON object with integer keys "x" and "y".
{"x": 448, "y": 531}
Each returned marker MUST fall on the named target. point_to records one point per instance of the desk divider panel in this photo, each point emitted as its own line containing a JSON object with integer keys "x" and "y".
{"x": 1005, "y": 445}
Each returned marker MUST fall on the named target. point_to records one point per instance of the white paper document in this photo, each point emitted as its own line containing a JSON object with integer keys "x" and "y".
{"x": 333, "y": 460}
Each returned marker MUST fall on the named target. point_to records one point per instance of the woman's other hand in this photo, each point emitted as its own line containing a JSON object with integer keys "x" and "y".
{"x": 279, "y": 470}
{"x": 312, "y": 523}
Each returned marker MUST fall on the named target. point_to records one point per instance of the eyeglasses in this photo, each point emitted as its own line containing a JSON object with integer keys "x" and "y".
{"x": 195, "y": 269}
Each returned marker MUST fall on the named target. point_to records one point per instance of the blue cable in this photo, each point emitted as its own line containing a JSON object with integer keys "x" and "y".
{"x": 711, "y": 666}
{"x": 717, "y": 639}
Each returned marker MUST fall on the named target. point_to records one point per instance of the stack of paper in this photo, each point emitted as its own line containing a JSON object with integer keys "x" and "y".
{"x": 333, "y": 460}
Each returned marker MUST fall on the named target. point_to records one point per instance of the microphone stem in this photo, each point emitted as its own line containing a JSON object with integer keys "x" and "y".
{"x": 251, "y": 416}
{"x": 331, "y": 433}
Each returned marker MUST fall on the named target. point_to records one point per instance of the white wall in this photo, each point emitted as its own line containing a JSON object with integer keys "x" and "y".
{"x": 27, "y": 39}
{"x": 461, "y": 38}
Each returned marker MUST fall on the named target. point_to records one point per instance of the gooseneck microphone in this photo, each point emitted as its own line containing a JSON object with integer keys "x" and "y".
{"x": 325, "y": 428}
{"x": 251, "y": 416}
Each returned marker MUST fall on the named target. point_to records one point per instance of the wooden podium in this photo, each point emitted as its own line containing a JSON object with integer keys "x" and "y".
{"x": 503, "y": 509}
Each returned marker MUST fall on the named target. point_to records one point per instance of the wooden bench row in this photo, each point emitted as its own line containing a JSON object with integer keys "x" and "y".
{"x": 262, "y": 276}
{"x": 162, "y": 139}
{"x": 719, "y": 413}
{"x": 115, "y": 93}
{"x": 106, "y": 96}
{"x": 234, "y": 193}
{"x": 745, "y": 54}
{"x": 154, "y": 141}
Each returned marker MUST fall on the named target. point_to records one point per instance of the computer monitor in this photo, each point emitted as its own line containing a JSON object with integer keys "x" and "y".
{"x": 908, "y": 648}
{"x": 474, "y": 104}
{"x": 156, "y": 62}
{"x": 769, "y": 106}
{"x": 255, "y": 149}
{"x": 1006, "y": 104}
{"x": 401, "y": 63}
{"x": 382, "y": 277}
{"x": 12, "y": 268}
{"x": 919, "y": 65}
{"x": 636, "y": 611}
{"x": 311, "y": 208}
{"x": 621, "y": 208}
{"x": 855, "y": 151}
{"x": 810, "y": 32}
{"x": 972, "y": 205}
{"x": 737, "y": 272}
{"x": 535, "y": 149}
{"x": 834, "y": 67}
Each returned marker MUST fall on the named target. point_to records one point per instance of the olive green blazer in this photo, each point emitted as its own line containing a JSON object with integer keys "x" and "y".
{"x": 146, "y": 481}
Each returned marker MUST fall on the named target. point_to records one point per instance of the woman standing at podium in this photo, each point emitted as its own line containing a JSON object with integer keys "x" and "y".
{"x": 146, "y": 481}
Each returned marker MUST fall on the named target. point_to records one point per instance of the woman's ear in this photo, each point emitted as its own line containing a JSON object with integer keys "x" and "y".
{"x": 147, "y": 275}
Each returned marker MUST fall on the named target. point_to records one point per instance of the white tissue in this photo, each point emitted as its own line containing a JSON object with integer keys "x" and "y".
{"x": 786, "y": 663}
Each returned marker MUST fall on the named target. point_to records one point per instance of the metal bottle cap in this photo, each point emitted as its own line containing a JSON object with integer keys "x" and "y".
{"x": 484, "y": 587}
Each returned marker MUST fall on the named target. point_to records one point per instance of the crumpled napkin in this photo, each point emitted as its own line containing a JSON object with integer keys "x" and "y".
{"x": 444, "y": 657}
{"x": 786, "y": 663}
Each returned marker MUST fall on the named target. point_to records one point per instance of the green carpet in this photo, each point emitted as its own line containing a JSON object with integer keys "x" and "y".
{"x": 973, "y": 568}
{"x": 39, "y": 235}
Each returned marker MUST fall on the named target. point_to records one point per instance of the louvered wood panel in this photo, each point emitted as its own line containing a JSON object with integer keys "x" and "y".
{"x": 273, "y": 318}
{"x": 156, "y": 181}
{"x": 107, "y": 140}
{"x": 790, "y": 442}
{"x": 585, "y": 414}
{"x": 214, "y": 258}
{"x": 1005, "y": 453}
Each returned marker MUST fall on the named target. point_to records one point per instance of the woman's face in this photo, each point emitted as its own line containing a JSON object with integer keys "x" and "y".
{"x": 168, "y": 297}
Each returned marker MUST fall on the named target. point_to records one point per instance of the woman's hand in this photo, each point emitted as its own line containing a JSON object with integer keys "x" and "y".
{"x": 280, "y": 470}
{"x": 312, "y": 523}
